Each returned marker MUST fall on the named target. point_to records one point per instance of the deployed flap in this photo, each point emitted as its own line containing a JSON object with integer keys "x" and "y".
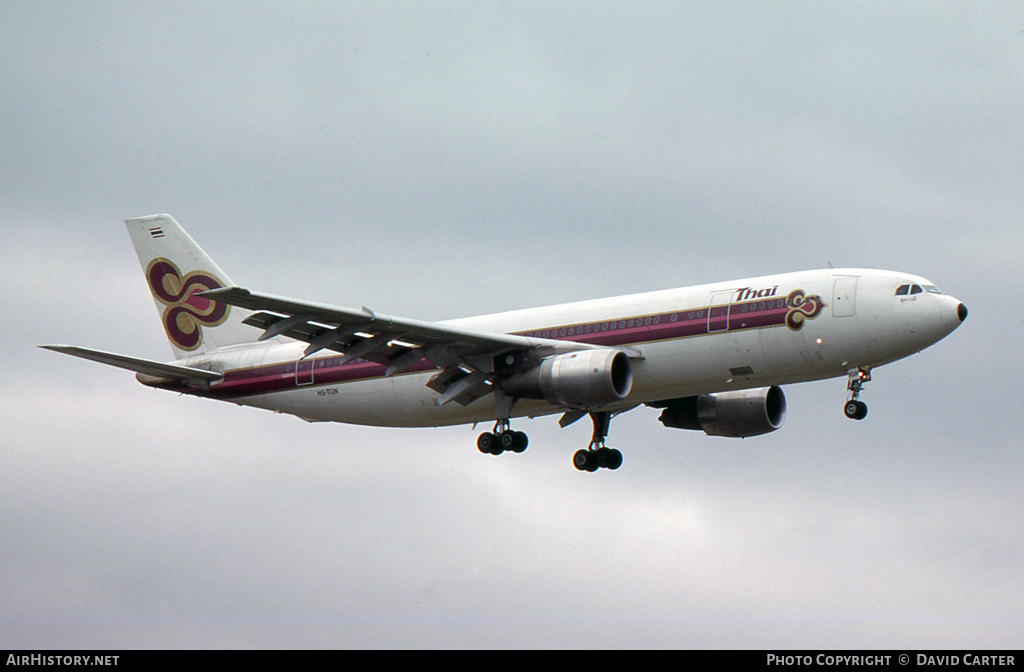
{"x": 570, "y": 417}
{"x": 166, "y": 372}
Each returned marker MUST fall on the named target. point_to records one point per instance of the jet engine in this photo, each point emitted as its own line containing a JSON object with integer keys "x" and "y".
{"x": 582, "y": 380}
{"x": 735, "y": 414}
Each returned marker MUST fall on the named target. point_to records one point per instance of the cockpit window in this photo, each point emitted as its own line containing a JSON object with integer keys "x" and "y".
{"x": 903, "y": 290}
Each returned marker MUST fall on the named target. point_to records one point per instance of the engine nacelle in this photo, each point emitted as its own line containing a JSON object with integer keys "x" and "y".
{"x": 735, "y": 414}
{"x": 582, "y": 380}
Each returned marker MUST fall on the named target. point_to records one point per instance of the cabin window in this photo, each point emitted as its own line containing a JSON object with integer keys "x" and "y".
{"x": 902, "y": 290}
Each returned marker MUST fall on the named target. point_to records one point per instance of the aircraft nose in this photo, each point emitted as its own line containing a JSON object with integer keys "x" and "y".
{"x": 953, "y": 313}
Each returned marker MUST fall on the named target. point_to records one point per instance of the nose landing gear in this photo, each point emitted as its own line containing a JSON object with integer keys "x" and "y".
{"x": 854, "y": 408}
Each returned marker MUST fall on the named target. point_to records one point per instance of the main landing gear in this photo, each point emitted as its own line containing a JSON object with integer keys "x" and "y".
{"x": 854, "y": 408}
{"x": 597, "y": 456}
{"x": 502, "y": 439}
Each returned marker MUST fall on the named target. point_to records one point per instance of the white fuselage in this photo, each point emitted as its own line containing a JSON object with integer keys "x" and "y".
{"x": 683, "y": 342}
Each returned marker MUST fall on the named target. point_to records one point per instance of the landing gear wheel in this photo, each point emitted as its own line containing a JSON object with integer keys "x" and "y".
{"x": 598, "y": 456}
{"x": 520, "y": 442}
{"x": 502, "y": 438}
{"x": 856, "y": 410}
{"x": 488, "y": 444}
{"x": 601, "y": 458}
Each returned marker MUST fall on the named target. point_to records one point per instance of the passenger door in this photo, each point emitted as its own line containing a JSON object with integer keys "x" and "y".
{"x": 718, "y": 311}
{"x": 304, "y": 371}
{"x": 844, "y": 296}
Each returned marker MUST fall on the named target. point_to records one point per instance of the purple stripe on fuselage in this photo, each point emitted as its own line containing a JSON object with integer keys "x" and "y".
{"x": 645, "y": 329}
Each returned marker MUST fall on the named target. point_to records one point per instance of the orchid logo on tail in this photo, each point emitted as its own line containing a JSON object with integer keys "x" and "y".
{"x": 185, "y": 314}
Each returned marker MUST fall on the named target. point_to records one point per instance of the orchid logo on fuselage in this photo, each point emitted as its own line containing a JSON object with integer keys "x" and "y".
{"x": 185, "y": 314}
{"x": 802, "y": 307}
{"x": 799, "y": 305}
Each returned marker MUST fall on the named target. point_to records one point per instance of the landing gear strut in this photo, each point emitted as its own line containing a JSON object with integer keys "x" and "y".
{"x": 502, "y": 439}
{"x": 854, "y": 408}
{"x": 597, "y": 456}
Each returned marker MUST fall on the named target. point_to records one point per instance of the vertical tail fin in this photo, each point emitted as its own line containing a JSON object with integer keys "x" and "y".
{"x": 176, "y": 269}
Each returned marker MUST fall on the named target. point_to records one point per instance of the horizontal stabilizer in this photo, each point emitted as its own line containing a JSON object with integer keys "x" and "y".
{"x": 158, "y": 370}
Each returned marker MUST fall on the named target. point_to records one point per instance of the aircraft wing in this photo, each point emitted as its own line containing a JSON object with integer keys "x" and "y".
{"x": 466, "y": 356}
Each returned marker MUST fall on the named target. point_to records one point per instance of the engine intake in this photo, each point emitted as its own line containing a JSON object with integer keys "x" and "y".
{"x": 734, "y": 414}
{"x": 582, "y": 380}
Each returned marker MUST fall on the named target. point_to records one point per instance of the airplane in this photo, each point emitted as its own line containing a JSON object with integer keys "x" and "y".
{"x": 713, "y": 356}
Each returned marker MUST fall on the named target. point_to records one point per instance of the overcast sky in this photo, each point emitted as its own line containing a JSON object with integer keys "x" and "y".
{"x": 436, "y": 160}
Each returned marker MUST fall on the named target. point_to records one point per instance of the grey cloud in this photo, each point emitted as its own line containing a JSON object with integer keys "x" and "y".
{"x": 443, "y": 161}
